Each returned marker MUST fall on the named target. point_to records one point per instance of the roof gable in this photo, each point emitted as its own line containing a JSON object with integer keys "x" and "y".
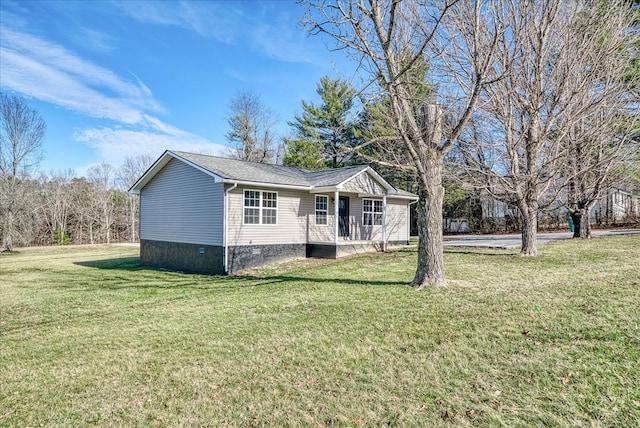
{"x": 364, "y": 184}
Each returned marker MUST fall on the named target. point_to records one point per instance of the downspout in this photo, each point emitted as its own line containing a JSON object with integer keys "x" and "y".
{"x": 409, "y": 220}
{"x": 336, "y": 197}
{"x": 226, "y": 228}
{"x": 384, "y": 222}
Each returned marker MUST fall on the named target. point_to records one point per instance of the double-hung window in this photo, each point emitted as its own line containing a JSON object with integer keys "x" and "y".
{"x": 371, "y": 212}
{"x": 322, "y": 207}
{"x": 260, "y": 207}
{"x": 269, "y": 207}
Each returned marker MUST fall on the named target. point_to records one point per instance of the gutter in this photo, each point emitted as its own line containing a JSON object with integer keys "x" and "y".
{"x": 226, "y": 227}
{"x": 268, "y": 185}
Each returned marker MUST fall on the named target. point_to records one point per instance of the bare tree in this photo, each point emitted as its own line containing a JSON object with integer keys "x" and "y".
{"x": 19, "y": 212}
{"x": 101, "y": 178}
{"x": 82, "y": 221}
{"x": 128, "y": 173}
{"x": 251, "y": 136}
{"x": 596, "y": 162}
{"x": 56, "y": 205}
{"x": 21, "y": 132}
{"x": 390, "y": 39}
{"x": 561, "y": 67}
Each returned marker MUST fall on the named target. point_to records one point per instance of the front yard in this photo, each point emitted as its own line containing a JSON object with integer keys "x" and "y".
{"x": 87, "y": 337}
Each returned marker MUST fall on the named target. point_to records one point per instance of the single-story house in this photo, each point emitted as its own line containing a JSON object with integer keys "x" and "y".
{"x": 213, "y": 215}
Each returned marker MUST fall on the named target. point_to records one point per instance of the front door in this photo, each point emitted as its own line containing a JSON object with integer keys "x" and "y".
{"x": 343, "y": 216}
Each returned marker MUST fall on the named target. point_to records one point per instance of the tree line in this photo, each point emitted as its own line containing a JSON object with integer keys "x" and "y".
{"x": 58, "y": 208}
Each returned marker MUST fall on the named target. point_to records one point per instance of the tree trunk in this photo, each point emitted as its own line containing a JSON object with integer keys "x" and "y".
{"x": 430, "y": 268}
{"x": 529, "y": 230}
{"x": 576, "y": 218}
{"x": 585, "y": 226}
{"x": 582, "y": 221}
{"x": 8, "y": 242}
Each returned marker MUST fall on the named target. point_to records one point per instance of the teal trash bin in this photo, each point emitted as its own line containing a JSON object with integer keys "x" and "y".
{"x": 571, "y": 224}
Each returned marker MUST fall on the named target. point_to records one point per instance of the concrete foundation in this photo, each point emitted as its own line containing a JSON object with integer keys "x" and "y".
{"x": 250, "y": 256}
{"x": 209, "y": 260}
{"x": 192, "y": 258}
{"x": 325, "y": 250}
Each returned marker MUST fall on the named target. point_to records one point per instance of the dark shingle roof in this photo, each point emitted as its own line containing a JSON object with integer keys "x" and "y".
{"x": 233, "y": 169}
{"x": 333, "y": 177}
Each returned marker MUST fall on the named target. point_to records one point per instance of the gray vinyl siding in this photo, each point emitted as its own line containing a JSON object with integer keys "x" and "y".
{"x": 182, "y": 204}
{"x": 295, "y": 210}
{"x": 365, "y": 184}
{"x": 322, "y": 232}
{"x": 397, "y": 222}
{"x": 397, "y": 219}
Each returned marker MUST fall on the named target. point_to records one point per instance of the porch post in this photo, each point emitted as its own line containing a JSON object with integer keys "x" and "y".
{"x": 336, "y": 203}
{"x": 384, "y": 222}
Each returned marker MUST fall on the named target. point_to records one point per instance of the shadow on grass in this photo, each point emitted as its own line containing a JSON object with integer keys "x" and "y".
{"x": 481, "y": 251}
{"x": 121, "y": 263}
{"x": 132, "y": 264}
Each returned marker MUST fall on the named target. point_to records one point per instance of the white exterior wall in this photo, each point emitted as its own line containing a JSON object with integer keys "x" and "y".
{"x": 322, "y": 232}
{"x": 397, "y": 219}
{"x": 294, "y": 210}
{"x": 297, "y": 220}
{"x": 363, "y": 183}
{"x": 182, "y": 204}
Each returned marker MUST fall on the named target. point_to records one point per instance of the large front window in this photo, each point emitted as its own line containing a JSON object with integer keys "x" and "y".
{"x": 371, "y": 212}
{"x": 260, "y": 207}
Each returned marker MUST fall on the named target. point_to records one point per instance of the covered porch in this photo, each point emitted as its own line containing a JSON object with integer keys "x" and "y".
{"x": 362, "y": 214}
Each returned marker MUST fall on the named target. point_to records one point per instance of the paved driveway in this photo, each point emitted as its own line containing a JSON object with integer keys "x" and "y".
{"x": 515, "y": 240}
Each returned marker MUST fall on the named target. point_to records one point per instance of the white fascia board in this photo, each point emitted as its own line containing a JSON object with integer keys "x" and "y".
{"x": 389, "y": 196}
{"x": 407, "y": 197}
{"x": 377, "y": 177}
{"x": 160, "y": 163}
{"x": 216, "y": 177}
{"x": 324, "y": 189}
{"x": 269, "y": 185}
{"x": 150, "y": 173}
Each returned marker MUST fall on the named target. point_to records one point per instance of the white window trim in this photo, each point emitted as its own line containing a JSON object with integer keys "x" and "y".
{"x": 325, "y": 211}
{"x": 373, "y": 212}
{"x": 260, "y": 207}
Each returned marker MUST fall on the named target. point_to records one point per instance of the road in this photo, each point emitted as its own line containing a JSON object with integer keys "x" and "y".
{"x": 515, "y": 240}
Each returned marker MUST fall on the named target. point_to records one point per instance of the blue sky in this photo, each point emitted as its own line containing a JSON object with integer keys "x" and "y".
{"x": 122, "y": 78}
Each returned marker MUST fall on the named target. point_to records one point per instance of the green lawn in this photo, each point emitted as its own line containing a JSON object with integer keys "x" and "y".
{"x": 87, "y": 337}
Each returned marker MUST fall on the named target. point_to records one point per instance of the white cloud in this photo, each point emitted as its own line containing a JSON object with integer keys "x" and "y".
{"x": 218, "y": 21}
{"x": 95, "y": 40}
{"x": 268, "y": 29}
{"x": 49, "y": 72}
{"x": 114, "y": 145}
{"x": 285, "y": 43}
